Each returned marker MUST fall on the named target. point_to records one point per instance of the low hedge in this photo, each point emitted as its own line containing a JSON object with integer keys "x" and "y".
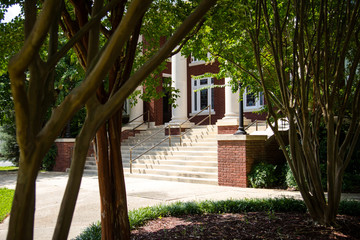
{"x": 140, "y": 216}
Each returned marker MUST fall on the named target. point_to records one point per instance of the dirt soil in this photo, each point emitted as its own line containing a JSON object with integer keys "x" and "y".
{"x": 247, "y": 226}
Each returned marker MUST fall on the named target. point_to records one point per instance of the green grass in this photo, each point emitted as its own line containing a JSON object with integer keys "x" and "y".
{"x": 6, "y": 197}
{"x": 9, "y": 168}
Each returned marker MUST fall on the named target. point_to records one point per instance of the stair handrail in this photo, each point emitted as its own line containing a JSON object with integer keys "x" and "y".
{"x": 188, "y": 120}
{"x": 250, "y": 124}
{"x": 167, "y": 137}
{"x": 155, "y": 145}
{"x": 143, "y": 114}
{"x": 256, "y": 122}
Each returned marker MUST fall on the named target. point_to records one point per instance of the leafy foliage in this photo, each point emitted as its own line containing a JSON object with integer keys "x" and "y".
{"x": 9, "y": 148}
{"x": 263, "y": 175}
{"x": 11, "y": 38}
{"x": 49, "y": 159}
{"x": 93, "y": 232}
{"x": 290, "y": 179}
{"x": 6, "y": 103}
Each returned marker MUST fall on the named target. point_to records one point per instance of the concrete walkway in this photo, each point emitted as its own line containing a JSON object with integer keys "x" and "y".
{"x": 140, "y": 193}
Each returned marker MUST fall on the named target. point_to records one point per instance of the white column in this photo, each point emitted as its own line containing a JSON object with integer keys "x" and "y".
{"x": 231, "y": 116}
{"x": 137, "y": 110}
{"x": 179, "y": 81}
{"x": 231, "y": 101}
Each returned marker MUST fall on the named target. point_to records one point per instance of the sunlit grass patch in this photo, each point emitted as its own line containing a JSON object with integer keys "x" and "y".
{"x": 6, "y": 198}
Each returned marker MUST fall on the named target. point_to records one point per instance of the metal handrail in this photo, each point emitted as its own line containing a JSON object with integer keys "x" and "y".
{"x": 148, "y": 120}
{"x": 144, "y": 140}
{"x": 252, "y": 123}
{"x": 168, "y": 137}
{"x": 188, "y": 120}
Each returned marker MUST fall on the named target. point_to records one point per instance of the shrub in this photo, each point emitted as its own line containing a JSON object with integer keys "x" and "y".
{"x": 9, "y": 148}
{"x": 93, "y": 232}
{"x": 263, "y": 175}
{"x": 290, "y": 181}
{"x": 349, "y": 207}
{"x": 49, "y": 159}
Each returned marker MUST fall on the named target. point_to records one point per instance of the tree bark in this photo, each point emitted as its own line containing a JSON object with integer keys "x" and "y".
{"x": 114, "y": 217}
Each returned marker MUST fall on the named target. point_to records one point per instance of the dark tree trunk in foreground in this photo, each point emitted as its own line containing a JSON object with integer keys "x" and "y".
{"x": 33, "y": 92}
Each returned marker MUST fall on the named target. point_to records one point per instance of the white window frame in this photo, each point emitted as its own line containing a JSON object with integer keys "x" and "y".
{"x": 195, "y": 95}
{"x": 259, "y": 101}
{"x": 194, "y": 61}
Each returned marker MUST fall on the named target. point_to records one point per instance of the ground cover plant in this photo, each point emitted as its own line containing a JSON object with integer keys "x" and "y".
{"x": 9, "y": 168}
{"x": 228, "y": 219}
{"x": 6, "y": 197}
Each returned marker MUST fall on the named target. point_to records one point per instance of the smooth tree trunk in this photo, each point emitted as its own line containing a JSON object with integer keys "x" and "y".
{"x": 314, "y": 65}
{"x": 114, "y": 217}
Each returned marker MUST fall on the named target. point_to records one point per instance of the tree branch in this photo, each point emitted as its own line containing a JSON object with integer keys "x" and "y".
{"x": 196, "y": 30}
{"x": 19, "y": 63}
{"x": 78, "y": 96}
{"x": 77, "y": 37}
{"x": 114, "y": 103}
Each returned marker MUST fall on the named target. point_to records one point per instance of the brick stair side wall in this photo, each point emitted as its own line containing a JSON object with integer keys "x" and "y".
{"x": 64, "y": 154}
{"x": 236, "y": 158}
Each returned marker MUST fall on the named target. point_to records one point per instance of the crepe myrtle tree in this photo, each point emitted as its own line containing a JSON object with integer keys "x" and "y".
{"x": 304, "y": 55}
{"x": 32, "y": 85}
{"x": 314, "y": 49}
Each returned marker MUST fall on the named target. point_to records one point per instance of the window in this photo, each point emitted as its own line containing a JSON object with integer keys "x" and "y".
{"x": 126, "y": 108}
{"x": 202, "y": 94}
{"x": 250, "y": 100}
{"x": 197, "y": 61}
{"x": 253, "y": 101}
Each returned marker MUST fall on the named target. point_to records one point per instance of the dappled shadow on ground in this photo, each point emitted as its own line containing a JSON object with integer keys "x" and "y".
{"x": 247, "y": 226}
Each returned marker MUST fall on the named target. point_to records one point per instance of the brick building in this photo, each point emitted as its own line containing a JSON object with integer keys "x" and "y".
{"x": 224, "y": 104}
{"x": 217, "y": 156}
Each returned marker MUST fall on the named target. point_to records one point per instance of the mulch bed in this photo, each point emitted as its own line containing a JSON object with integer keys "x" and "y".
{"x": 258, "y": 225}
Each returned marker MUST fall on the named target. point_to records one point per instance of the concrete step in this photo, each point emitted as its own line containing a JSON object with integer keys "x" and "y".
{"x": 180, "y": 161}
{"x": 175, "y": 173}
{"x": 174, "y": 143}
{"x": 177, "y": 144}
{"x": 199, "y": 154}
{"x": 180, "y": 168}
{"x": 159, "y": 148}
{"x": 194, "y": 161}
{"x": 90, "y": 166}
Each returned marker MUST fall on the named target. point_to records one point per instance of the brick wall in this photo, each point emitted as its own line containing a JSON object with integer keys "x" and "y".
{"x": 227, "y": 129}
{"x": 128, "y": 133}
{"x": 174, "y": 131}
{"x": 238, "y": 153}
{"x": 65, "y": 148}
{"x": 253, "y": 116}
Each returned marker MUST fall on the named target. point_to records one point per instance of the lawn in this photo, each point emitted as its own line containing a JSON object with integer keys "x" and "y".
{"x": 6, "y": 197}
{"x": 11, "y": 168}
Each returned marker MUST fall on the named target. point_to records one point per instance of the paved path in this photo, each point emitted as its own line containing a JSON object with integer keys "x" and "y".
{"x": 6, "y": 163}
{"x": 140, "y": 193}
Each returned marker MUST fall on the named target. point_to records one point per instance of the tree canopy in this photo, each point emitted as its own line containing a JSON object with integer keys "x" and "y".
{"x": 106, "y": 49}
